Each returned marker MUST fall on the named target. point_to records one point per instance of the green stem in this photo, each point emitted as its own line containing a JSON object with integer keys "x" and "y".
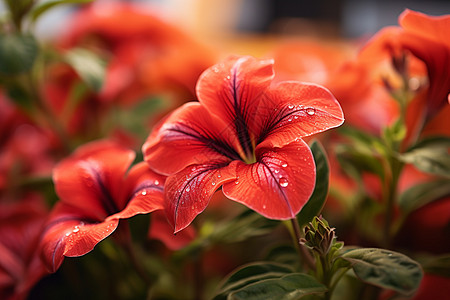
{"x": 305, "y": 255}
{"x": 123, "y": 238}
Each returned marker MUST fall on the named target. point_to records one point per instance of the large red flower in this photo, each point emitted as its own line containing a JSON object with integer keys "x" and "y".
{"x": 244, "y": 135}
{"x": 96, "y": 190}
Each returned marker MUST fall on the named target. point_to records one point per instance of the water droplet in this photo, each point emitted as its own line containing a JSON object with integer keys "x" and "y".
{"x": 236, "y": 182}
{"x": 143, "y": 193}
{"x": 284, "y": 182}
{"x": 67, "y": 233}
{"x": 216, "y": 70}
{"x": 284, "y": 165}
{"x": 156, "y": 182}
{"x": 218, "y": 175}
{"x": 296, "y": 117}
{"x": 213, "y": 183}
{"x": 264, "y": 206}
{"x": 76, "y": 229}
{"x": 187, "y": 189}
{"x": 290, "y": 106}
{"x": 310, "y": 111}
{"x": 276, "y": 171}
{"x": 228, "y": 77}
{"x": 290, "y": 120}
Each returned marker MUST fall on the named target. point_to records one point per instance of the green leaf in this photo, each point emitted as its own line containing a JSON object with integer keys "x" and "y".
{"x": 245, "y": 225}
{"x": 437, "y": 265}
{"x": 288, "y": 287}
{"x": 20, "y": 97}
{"x": 45, "y": 6}
{"x": 317, "y": 200}
{"x": 354, "y": 161}
{"x": 250, "y": 274}
{"x": 386, "y": 269}
{"x": 89, "y": 67}
{"x": 423, "y": 193}
{"x": 17, "y": 53}
{"x": 431, "y": 156}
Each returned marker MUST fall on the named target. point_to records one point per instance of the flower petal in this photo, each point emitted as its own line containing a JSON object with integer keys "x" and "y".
{"x": 189, "y": 191}
{"x": 297, "y": 110}
{"x": 188, "y": 136}
{"x": 232, "y": 91}
{"x": 278, "y": 184}
{"x": 91, "y": 177}
{"x": 142, "y": 192}
{"x": 69, "y": 233}
{"x": 160, "y": 229}
{"x": 428, "y": 27}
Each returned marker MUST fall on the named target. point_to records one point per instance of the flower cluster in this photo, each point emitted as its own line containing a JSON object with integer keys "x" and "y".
{"x": 116, "y": 144}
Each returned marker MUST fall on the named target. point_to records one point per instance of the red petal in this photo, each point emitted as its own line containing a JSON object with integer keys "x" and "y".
{"x": 298, "y": 110}
{"x": 69, "y": 233}
{"x": 278, "y": 184}
{"x": 428, "y": 27}
{"x": 188, "y": 136}
{"x": 92, "y": 177}
{"x": 142, "y": 192}
{"x": 160, "y": 229}
{"x": 189, "y": 191}
{"x": 233, "y": 89}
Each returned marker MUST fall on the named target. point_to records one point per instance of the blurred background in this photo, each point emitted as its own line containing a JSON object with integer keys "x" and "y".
{"x": 333, "y": 18}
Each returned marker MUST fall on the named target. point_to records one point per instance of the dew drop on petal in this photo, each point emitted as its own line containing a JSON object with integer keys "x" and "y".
{"x": 187, "y": 189}
{"x": 310, "y": 111}
{"x": 284, "y": 165}
{"x": 76, "y": 229}
{"x": 290, "y": 106}
{"x": 290, "y": 120}
{"x": 264, "y": 206}
{"x": 143, "y": 193}
{"x": 284, "y": 182}
{"x": 236, "y": 182}
{"x": 276, "y": 171}
{"x": 156, "y": 182}
{"x": 213, "y": 183}
{"x": 67, "y": 233}
{"x": 296, "y": 117}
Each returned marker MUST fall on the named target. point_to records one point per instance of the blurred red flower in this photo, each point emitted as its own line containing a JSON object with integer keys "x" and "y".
{"x": 146, "y": 54}
{"x": 21, "y": 224}
{"x": 96, "y": 191}
{"x": 245, "y": 136}
{"x": 423, "y": 40}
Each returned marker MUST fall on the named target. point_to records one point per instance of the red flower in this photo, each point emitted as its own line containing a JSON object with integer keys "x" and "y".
{"x": 21, "y": 224}
{"x": 147, "y": 55}
{"x": 245, "y": 136}
{"x": 424, "y": 40}
{"x": 96, "y": 191}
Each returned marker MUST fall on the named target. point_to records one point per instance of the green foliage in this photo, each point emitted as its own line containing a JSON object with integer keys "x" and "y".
{"x": 249, "y": 274}
{"x": 423, "y": 193}
{"x": 88, "y": 66}
{"x": 386, "y": 269}
{"x": 438, "y": 265}
{"x": 43, "y": 7}
{"x": 317, "y": 200}
{"x": 242, "y": 227}
{"x": 430, "y": 156}
{"x": 17, "y": 53}
{"x": 288, "y": 287}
